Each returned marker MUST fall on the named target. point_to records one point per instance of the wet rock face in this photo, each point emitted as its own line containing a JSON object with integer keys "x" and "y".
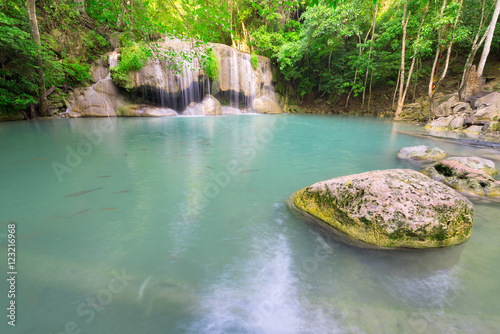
{"x": 421, "y": 153}
{"x": 470, "y": 175}
{"x": 398, "y": 208}
{"x": 177, "y": 82}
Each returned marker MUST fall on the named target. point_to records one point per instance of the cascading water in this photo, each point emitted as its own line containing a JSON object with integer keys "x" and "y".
{"x": 178, "y": 81}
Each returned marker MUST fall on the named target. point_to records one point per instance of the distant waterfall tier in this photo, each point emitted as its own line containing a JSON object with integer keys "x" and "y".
{"x": 176, "y": 82}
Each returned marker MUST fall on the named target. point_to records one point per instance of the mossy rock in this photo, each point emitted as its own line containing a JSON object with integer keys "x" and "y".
{"x": 388, "y": 209}
{"x": 468, "y": 175}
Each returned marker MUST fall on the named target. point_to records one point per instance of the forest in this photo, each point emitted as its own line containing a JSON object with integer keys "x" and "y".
{"x": 333, "y": 50}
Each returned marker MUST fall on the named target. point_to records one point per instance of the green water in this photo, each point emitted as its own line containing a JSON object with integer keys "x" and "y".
{"x": 189, "y": 214}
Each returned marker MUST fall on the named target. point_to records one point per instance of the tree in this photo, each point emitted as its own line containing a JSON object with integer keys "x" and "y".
{"x": 44, "y": 104}
{"x": 489, "y": 37}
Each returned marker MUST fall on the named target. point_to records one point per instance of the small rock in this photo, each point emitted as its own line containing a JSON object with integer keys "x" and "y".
{"x": 421, "y": 152}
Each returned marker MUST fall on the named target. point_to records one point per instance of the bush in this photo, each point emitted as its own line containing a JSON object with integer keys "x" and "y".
{"x": 132, "y": 58}
{"x": 210, "y": 64}
{"x": 255, "y": 61}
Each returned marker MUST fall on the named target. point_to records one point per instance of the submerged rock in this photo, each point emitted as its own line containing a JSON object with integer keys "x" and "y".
{"x": 470, "y": 175}
{"x": 398, "y": 208}
{"x": 421, "y": 152}
{"x": 231, "y": 111}
{"x": 138, "y": 110}
{"x": 264, "y": 105}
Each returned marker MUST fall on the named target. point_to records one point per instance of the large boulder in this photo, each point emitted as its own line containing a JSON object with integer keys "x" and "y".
{"x": 492, "y": 99}
{"x": 444, "y": 107}
{"x": 92, "y": 104}
{"x": 440, "y": 124}
{"x": 422, "y": 153}
{"x": 398, "y": 208}
{"x": 194, "y": 109}
{"x": 457, "y": 123}
{"x": 211, "y": 106}
{"x": 264, "y": 105}
{"x": 472, "y": 175}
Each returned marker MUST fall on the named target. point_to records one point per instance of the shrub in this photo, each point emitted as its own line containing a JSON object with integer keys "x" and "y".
{"x": 132, "y": 58}
{"x": 255, "y": 61}
{"x": 210, "y": 64}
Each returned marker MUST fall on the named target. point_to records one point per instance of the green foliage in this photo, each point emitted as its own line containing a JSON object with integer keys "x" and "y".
{"x": 210, "y": 64}
{"x": 17, "y": 52}
{"x": 76, "y": 72}
{"x": 255, "y": 61}
{"x": 133, "y": 57}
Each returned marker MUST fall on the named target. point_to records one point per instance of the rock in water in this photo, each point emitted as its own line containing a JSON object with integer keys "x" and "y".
{"x": 211, "y": 106}
{"x": 421, "y": 152}
{"x": 471, "y": 175}
{"x": 264, "y": 105}
{"x": 398, "y": 208}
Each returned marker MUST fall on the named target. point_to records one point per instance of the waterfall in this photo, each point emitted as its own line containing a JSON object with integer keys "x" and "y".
{"x": 177, "y": 81}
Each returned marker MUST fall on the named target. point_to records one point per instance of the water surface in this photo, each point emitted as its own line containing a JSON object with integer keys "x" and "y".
{"x": 185, "y": 231}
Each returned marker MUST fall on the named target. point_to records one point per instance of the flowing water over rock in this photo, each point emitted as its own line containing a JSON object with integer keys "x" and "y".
{"x": 178, "y": 80}
{"x": 178, "y": 225}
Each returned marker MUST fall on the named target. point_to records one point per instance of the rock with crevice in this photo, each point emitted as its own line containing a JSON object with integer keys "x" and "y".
{"x": 469, "y": 175}
{"x": 398, "y": 208}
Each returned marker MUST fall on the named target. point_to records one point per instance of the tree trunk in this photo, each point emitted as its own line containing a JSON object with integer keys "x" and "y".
{"x": 369, "y": 56}
{"x": 399, "y": 109}
{"x": 44, "y": 104}
{"x": 476, "y": 44}
{"x": 489, "y": 38}
{"x": 410, "y": 73}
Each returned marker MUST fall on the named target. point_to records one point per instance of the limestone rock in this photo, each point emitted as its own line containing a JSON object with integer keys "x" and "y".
{"x": 230, "y": 111}
{"x": 461, "y": 107}
{"x": 485, "y": 165}
{"x": 211, "y": 106}
{"x": 487, "y": 113}
{"x": 421, "y": 152}
{"x": 92, "y": 104}
{"x": 398, "y": 208}
{"x": 158, "y": 112}
{"x": 470, "y": 175}
{"x": 457, "y": 123}
{"x": 440, "y": 124}
{"x": 264, "y": 105}
{"x": 194, "y": 109}
{"x": 492, "y": 99}
{"x": 474, "y": 130}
